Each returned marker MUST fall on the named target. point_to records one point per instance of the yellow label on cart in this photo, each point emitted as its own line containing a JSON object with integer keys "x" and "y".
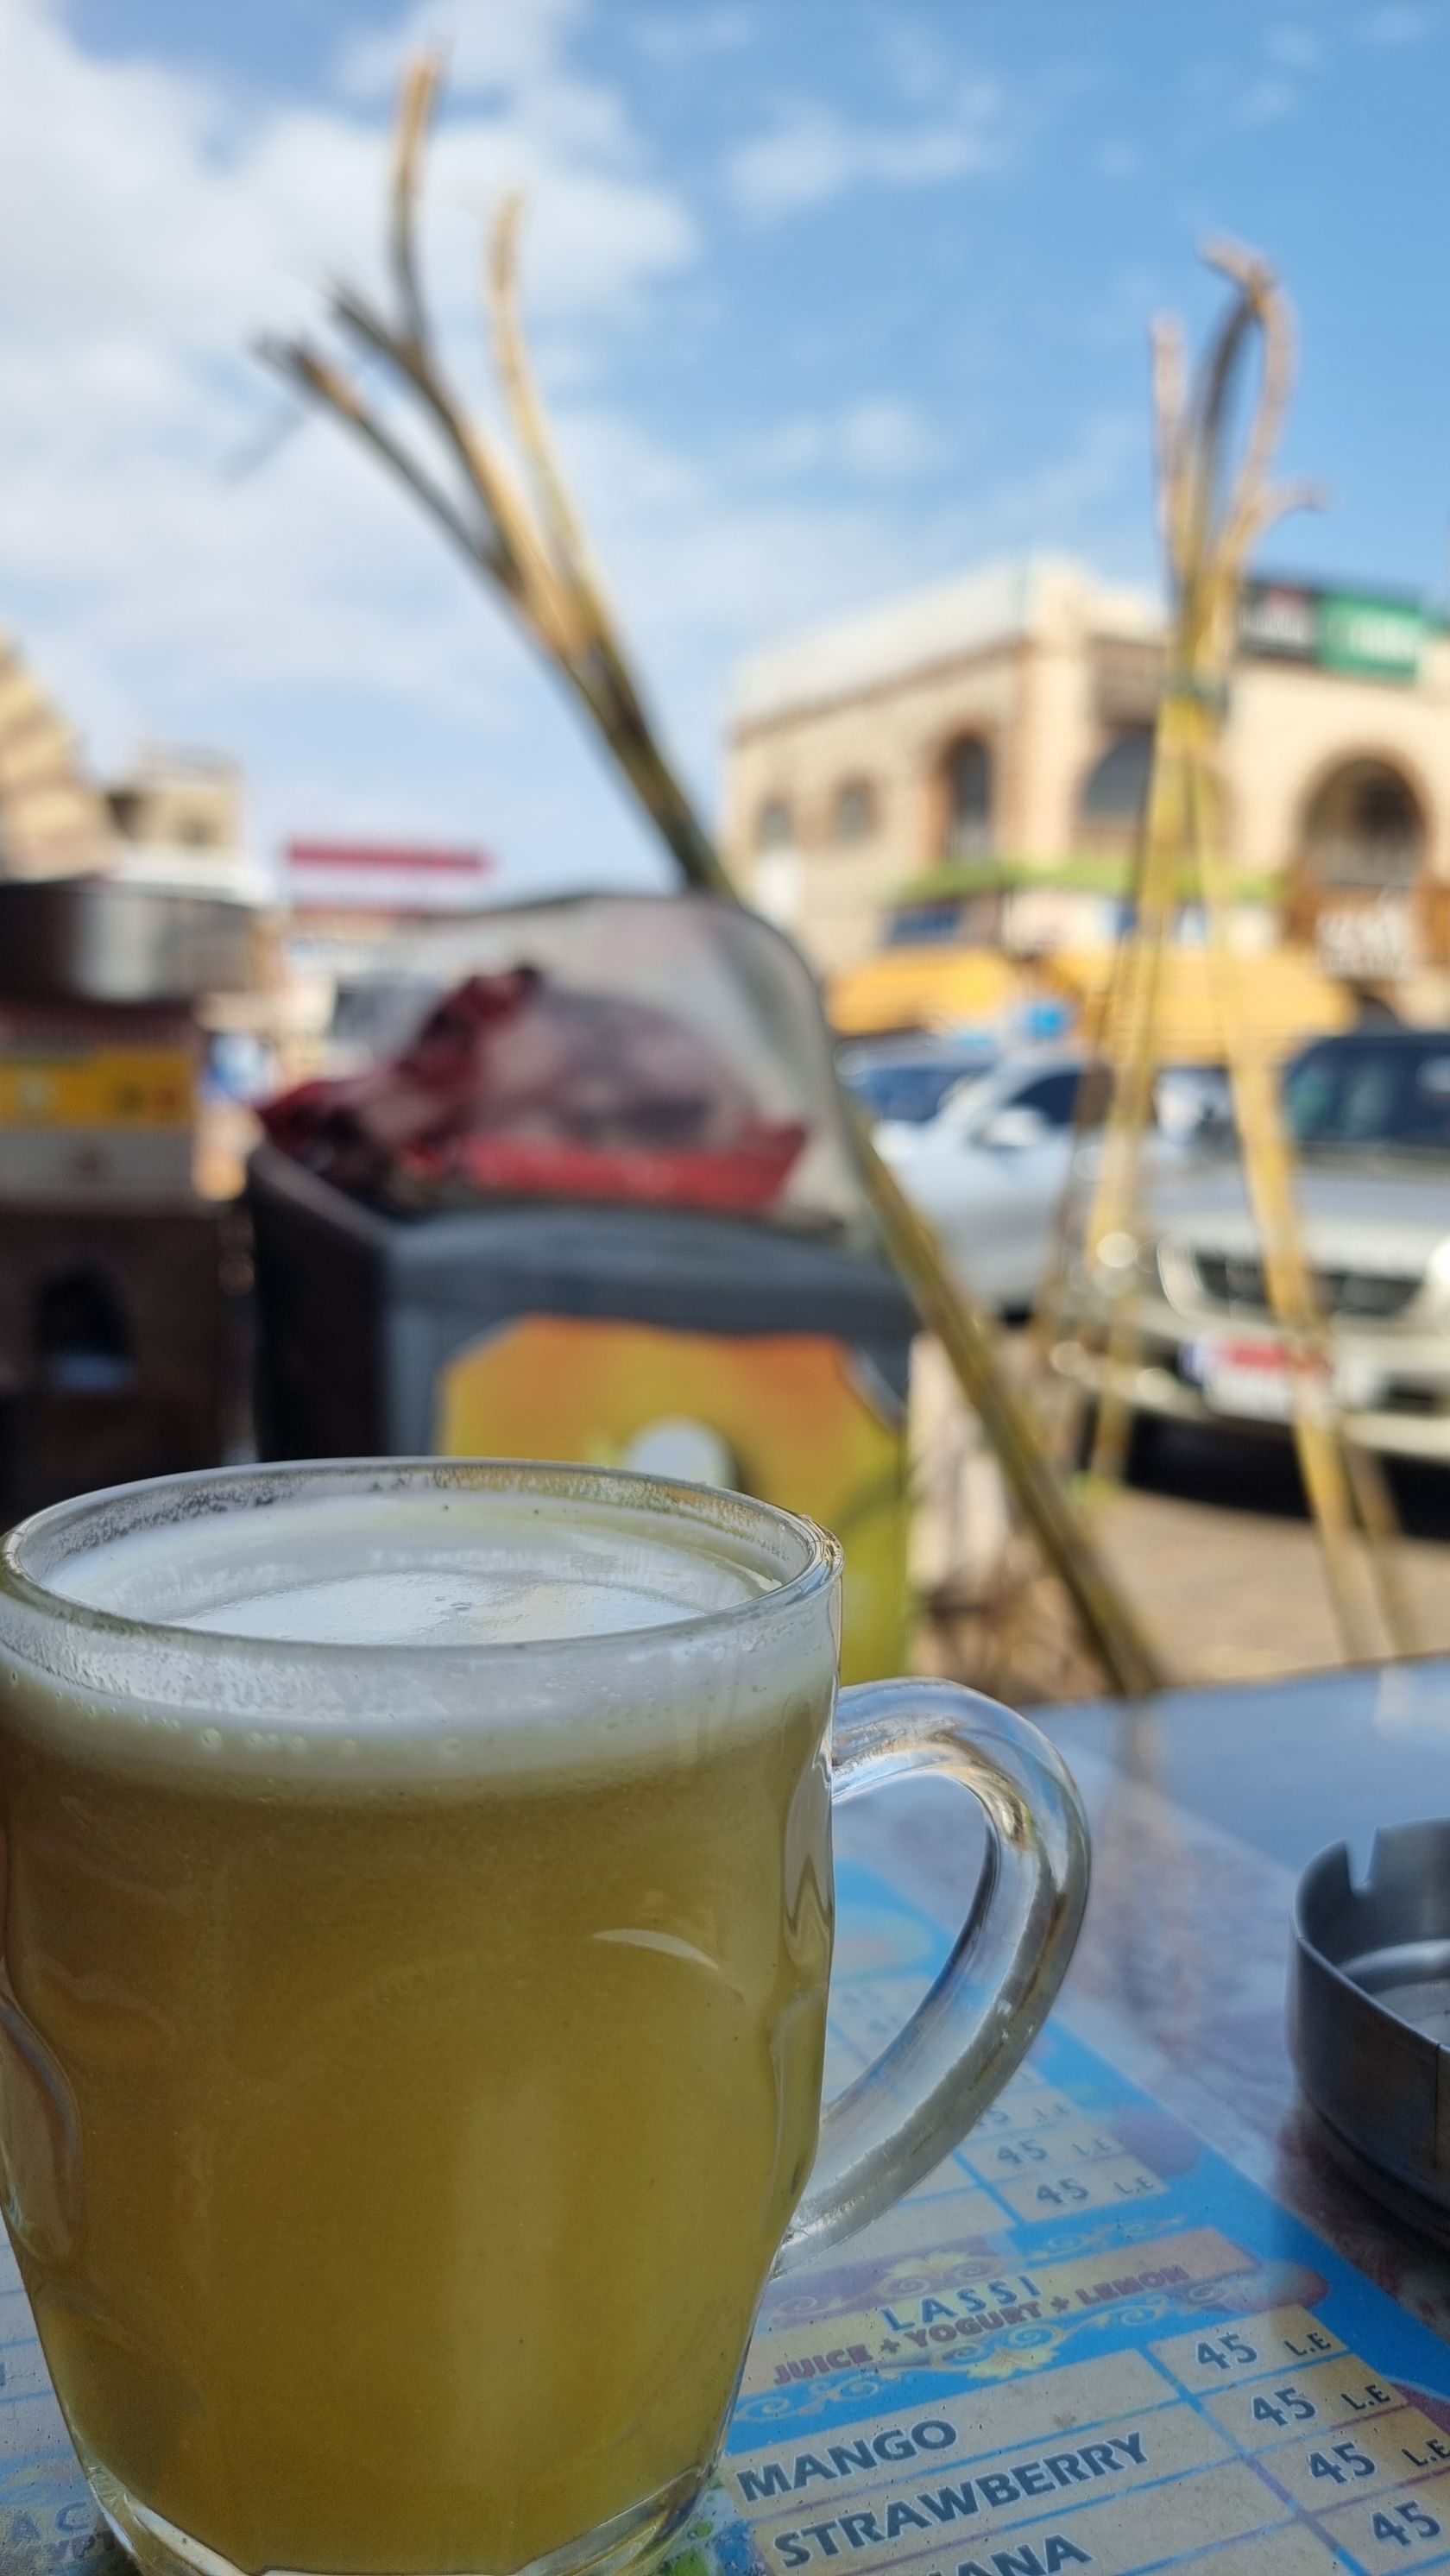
{"x": 97, "y": 1087}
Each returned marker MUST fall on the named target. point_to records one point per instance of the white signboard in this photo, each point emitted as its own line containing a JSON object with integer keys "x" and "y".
{"x": 1369, "y": 939}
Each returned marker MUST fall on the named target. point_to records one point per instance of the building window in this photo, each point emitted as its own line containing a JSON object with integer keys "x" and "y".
{"x": 774, "y": 829}
{"x": 968, "y": 800}
{"x": 1364, "y": 829}
{"x": 125, "y": 810}
{"x": 1115, "y": 792}
{"x": 853, "y": 813}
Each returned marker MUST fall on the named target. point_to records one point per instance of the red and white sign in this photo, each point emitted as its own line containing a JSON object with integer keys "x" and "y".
{"x": 384, "y": 876}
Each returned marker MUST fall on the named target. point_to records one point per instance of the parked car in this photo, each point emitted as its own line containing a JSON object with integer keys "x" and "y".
{"x": 991, "y": 1167}
{"x": 907, "y": 1079}
{"x": 1370, "y": 1117}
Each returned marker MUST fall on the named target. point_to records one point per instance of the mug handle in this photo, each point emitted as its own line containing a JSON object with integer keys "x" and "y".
{"x": 898, "y": 2118}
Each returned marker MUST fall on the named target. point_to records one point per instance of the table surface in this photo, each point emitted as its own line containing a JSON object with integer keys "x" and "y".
{"x": 1144, "y": 2243}
{"x": 1285, "y": 1766}
{"x": 1206, "y": 1805}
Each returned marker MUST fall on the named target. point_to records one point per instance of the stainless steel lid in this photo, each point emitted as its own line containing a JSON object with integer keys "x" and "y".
{"x": 96, "y": 939}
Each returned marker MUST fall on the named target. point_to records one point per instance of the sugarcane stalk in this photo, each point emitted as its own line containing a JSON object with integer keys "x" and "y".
{"x": 1343, "y": 1481}
{"x": 530, "y": 545}
{"x": 1207, "y": 535}
{"x": 1133, "y": 1056}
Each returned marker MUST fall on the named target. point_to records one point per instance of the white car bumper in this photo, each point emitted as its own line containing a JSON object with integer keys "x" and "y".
{"x": 1393, "y": 1390}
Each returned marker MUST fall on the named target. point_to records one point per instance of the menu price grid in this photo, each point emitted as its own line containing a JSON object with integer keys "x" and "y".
{"x": 1086, "y": 2342}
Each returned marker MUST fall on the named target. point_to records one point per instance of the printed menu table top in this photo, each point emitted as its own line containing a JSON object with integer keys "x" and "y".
{"x": 1137, "y": 2322}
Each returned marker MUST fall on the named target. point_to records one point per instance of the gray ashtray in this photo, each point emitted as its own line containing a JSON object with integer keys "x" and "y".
{"x": 1369, "y": 2015}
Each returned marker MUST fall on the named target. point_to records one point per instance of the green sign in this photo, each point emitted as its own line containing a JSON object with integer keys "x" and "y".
{"x": 1364, "y": 634}
{"x": 1379, "y": 639}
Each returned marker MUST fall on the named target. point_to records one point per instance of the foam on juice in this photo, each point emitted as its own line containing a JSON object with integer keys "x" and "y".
{"x": 389, "y": 1570}
{"x": 311, "y": 1637}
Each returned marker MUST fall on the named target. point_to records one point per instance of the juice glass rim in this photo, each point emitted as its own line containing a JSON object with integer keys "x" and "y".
{"x": 124, "y": 1658}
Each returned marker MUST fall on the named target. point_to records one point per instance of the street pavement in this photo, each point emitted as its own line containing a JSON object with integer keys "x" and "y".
{"x": 1214, "y": 1545}
{"x": 1209, "y": 1539}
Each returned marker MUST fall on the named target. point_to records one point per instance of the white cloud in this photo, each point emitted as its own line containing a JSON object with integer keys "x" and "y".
{"x": 887, "y": 438}
{"x": 1292, "y": 46}
{"x": 1117, "y": 160}
{"x": 808, "y": 154}
{"x": 1076, "y": 493}
{"x": 880, "y": 441}
{"x": 1266, "y": 102}
{"x": 692, "y": 31}
{"x": 709, "y": 564}
{"x": 131, "y": 201}
{"x": 507, "y": 45}
{"x": 1402, "y": 22}
{"x": 147, "y": 232}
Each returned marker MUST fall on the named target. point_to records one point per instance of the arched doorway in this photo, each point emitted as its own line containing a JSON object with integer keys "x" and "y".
{"x": 967, "y": 775}
{"x": 1364, "y": 831}
{"x": 1361, "y": 872}
{"x": 1114, "y": 796}
{"x": 853, "y": 811}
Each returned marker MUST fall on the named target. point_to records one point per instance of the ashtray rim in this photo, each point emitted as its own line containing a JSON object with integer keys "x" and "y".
{"x": 1379, "y": 2083}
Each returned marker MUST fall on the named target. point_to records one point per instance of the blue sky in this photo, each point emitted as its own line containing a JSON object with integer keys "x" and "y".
{"x": 831, "y": 296}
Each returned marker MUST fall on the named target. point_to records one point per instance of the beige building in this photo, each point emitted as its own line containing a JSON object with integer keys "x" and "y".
{"x": 178, "y": 824}
{"x": 178, "y": 800}
{"x": 52, "y": 822}
{"x": 175, "y": 821}
{"x": 972, "y": 761}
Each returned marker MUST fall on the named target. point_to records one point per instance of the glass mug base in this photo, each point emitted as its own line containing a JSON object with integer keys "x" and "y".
{"x": 629, "y": 2540}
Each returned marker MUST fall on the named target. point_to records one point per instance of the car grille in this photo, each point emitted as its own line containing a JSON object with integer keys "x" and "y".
{"x": 1235, "y": 1281}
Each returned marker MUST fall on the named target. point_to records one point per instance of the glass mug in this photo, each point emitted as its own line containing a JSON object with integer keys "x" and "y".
{"x": 417, "y": 1926}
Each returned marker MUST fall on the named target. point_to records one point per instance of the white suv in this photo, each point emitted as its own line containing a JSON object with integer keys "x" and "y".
{"x": 1370, "y": 1115}
{"x": 991, "y": 1167}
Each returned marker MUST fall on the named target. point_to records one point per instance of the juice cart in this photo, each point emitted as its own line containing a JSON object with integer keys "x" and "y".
{"x": 759, "y": 1346}
{"x": 113, "y": 1314}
